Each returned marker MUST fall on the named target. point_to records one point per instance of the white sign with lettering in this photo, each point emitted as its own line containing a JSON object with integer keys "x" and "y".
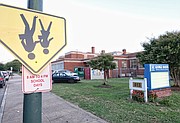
{"x": 137, "y": 84}
{"x": 41, "y": 82}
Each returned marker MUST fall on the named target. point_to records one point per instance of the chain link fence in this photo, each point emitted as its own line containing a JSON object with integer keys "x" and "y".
{"x": 127, "y": 72}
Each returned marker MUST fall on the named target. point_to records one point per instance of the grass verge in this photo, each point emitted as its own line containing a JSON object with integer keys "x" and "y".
{"x": 113, "y": 104}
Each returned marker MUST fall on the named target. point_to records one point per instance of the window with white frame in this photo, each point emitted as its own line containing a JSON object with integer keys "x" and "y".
{"x": 133, "y": 63}
{"x": 124, "y": 64}
{"x": 58, "y": 66}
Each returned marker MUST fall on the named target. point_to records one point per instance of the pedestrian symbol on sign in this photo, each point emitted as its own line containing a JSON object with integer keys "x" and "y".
{"x": 44, "y": 37}
{"x": 27, "y": 40}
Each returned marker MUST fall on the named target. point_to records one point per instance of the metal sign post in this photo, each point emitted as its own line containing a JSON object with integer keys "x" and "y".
{"x": 32, "y": 107}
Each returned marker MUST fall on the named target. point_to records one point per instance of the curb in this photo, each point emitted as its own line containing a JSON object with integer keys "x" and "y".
{"x": 3, "y": 104}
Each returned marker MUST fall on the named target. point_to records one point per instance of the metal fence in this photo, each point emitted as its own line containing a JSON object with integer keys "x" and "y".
{"x": 127, "y": 72}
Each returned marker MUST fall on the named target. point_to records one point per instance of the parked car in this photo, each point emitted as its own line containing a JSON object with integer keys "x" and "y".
{"x": 66, "y": 71}
{"x": 64, "y": 77}
{"x": 5, "y": 75}
{"x": 2, "y": 81}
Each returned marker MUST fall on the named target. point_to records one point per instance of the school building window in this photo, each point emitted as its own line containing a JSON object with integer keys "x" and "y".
{"x": 133, "y": 63}
{"x": 124, "y": 64}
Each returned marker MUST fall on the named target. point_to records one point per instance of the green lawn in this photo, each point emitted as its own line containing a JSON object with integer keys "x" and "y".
{"x": 113, "y": 104}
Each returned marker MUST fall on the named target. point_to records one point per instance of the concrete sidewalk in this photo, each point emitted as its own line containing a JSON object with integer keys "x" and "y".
{"x": 54, "y": 108}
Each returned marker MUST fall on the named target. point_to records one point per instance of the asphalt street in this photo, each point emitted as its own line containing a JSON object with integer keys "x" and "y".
{"x": 2, "y": 90}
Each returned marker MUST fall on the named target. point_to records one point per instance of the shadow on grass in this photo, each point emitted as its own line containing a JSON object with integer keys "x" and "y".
{"x": 103, "y": 86}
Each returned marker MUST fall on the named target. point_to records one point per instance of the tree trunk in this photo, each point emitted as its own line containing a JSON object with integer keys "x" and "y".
{"x": 105, "y": 77}
{"x": 175, "y": 77}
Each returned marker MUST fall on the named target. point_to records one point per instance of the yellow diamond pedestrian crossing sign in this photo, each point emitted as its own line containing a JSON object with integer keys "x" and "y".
{"x": 35, "y": 38}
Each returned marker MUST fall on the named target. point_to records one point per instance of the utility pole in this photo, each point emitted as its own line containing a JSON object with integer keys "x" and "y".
{"x": 32, "y": 106}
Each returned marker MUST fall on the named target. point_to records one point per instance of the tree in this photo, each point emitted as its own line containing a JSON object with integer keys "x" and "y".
{"x": 164, "y": 49}
{"x": 103, "y": 62}
{"x": 15, "y": 64}
{"x": 1, "y": 66}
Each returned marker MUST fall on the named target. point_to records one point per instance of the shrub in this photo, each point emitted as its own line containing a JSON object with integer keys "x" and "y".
{"x": 139, "y": 96}
{"x": 166, "y": 102}
{"x": 152, "y": 97}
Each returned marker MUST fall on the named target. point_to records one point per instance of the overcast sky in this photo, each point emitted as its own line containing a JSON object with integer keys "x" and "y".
{"x": 109, "y": 25}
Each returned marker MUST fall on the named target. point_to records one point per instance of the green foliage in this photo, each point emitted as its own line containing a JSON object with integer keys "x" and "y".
{"x": 152, "y": 97}
{"x": 166, "y": 102}
{"x": 15, "y": 64}
{"x": 139, "y": 96}
{"x": 2, "y": 67}
{"x": 113, "y": 104}
{"x": 103, "y": 62}
{"x": 164, "y": 49}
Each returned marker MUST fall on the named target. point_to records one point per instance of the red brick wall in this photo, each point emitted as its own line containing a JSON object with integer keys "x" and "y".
{"x": 162, "y": 92}
{"x": 128, "y": 63}
{"x": 71, "y": 65}
{"x": 119, "y": 63}
{"x": 74, "y": 56}
{"x": 90, "y": 56}
{"x": 87, "y": 73}
{"x": 140, "y": 72}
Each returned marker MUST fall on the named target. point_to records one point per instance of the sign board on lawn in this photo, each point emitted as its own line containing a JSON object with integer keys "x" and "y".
{"x": 36, "y": 83}
{"x": 97, "y": 74}
{"x": 157, "y": 76}
{"x": 140, "y": 85}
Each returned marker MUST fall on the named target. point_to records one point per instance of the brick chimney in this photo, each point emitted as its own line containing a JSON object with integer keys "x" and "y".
{"x": 93, "y": 50}
{"x": 102, "y": 51}
{"x": 124, "y": 51}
